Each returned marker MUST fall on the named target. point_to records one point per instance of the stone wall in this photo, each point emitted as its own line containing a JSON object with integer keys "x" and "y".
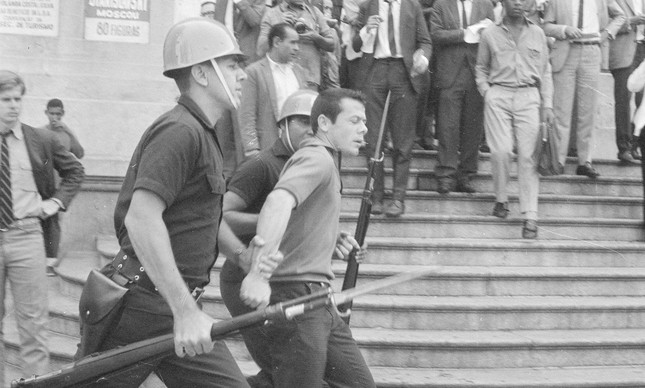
{"x": 112, "y": 91}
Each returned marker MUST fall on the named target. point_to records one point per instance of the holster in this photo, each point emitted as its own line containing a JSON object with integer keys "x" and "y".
{"x": 101, "y": 304}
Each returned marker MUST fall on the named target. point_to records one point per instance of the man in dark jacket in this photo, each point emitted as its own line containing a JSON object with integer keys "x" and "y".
{"x": 28, "y": 196}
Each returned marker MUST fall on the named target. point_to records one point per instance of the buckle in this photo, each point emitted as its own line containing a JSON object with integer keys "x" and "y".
{"x": 197, "y": 293}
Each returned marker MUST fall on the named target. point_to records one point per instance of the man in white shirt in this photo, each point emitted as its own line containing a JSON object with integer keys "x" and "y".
{"x": 270, "y": 81}
{"x": 396, "y": 50}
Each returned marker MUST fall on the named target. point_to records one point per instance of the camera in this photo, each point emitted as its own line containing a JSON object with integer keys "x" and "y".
{"x": 300, "y": 26}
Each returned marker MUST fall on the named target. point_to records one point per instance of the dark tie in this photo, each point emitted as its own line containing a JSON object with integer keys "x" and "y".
{"x": 464, "y": 18}
{"x": 6, "y": 201}
{"x": 220, "y": 11}
{"x": 390, "y": 29}
{"x": 581, "y": 9}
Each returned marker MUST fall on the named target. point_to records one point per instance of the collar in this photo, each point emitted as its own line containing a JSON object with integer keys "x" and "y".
{"x": 195, "y": 110}
{"x": 284, "y": 7}
{"x": 279, "y": 66}
{"x": 317, "y": 141}
{"x": 16, "y": 130}
{"x": 527, "y": 22}
{"x": 279, "y": 149}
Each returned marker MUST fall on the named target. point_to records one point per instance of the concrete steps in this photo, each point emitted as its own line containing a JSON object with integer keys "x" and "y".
{"x": 421, "y": 225}
{"x": 550, "y": 205}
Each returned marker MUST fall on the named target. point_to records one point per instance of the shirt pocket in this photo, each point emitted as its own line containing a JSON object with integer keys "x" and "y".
{"x": 23, "y": 177}
{"x": 216, "y": 183}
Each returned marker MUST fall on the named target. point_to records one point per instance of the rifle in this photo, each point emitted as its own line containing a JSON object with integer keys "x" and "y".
{"x": 140, "y": 358}
{"x": 351, "y": 273}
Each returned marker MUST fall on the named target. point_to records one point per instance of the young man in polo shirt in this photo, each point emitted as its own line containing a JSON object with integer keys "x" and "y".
{"x": 300, "y": 218}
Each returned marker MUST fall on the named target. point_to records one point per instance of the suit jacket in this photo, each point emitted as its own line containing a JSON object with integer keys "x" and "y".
{"x": 622, "y": 49}
{"x": 413, "y": 35}
{"x": 559, "y": 14}
{"x": 451, "y": 52}
{"x": 47, "y": 154}
{"x": 258, "y": 112}
{"x": 246, "y": 23}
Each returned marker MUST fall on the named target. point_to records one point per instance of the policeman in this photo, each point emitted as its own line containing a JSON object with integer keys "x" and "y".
{"x": 168, "y": 211}
{"x": 247, "y": 191}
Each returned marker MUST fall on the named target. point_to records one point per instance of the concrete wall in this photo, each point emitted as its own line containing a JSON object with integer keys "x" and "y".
{"x": 112, "y": 91}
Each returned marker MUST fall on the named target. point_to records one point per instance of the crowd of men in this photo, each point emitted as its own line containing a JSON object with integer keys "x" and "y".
{"x": 437, "y": 59}
{"x": 245, "y": 164}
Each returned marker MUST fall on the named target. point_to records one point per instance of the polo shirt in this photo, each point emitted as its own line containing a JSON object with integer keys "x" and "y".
{"x": 179, "y": 159}
{"x": 312, "y": 177}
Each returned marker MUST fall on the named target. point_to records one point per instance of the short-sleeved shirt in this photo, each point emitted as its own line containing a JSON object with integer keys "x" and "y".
{"x": 312, "y": 177}
{"x": 179, "y": 159}
{"x": 254, "y": 180}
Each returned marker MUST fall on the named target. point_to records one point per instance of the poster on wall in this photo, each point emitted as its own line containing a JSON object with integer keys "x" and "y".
{"x": 29, "y": 17}
{"x": 125, "y": 21}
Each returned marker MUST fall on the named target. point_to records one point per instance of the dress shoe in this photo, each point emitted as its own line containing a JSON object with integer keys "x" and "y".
{"x": 377, "y": 208}
{"x": 395, "y": 208}
{"x": 484, "y": 148}
{"x": 501, "y": 209}
{"x": 636, "y": 153}
{"x": 625, "y": 158}
{"x": 464, "y": 185}
{"x": 587, "y": 170}
{"x": 445, "y": 185}
{"x": 530, "y": 229}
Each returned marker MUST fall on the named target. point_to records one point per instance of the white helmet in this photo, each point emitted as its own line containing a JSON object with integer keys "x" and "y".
{"x": 194, "y": 41}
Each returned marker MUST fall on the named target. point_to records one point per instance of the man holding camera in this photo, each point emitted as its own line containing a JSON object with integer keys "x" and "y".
{"x": 313, "y": 31}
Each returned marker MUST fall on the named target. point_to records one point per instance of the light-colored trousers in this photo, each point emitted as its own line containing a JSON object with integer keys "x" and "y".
{"x": 512, "y": 116}
{"x": 578, "y": 78}
{"x": 22, "y": 263}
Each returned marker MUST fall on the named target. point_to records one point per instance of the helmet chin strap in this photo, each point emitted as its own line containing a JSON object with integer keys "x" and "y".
{"x": 218, "y": 71}
{"x": 287, "y": 136}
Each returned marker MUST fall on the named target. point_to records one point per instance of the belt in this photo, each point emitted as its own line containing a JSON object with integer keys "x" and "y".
{"x": 389, "y": 59}
{"x": 589, "y": 43}
{"x": 517, "y": 86}
{"x": 21, "y": 223}
{"x": 128, "y": 271}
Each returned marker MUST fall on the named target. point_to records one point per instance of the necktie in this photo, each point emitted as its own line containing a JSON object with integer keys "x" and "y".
{"x": 220, "y": 11}
{"x": 390, "y": 29}
{"x": 581, "y": 8}
{"x": 464, "y": 18}
{"x": 6, "y": 201}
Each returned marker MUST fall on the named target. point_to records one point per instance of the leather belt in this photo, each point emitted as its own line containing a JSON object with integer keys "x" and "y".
{"x": 590, "y": 43}
{"x": 517, "y": 86}
{"x": 128, "y": 271}
{"x": 21, "y": 223}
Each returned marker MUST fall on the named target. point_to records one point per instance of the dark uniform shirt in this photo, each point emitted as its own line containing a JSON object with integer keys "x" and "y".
{"x": 254, "y": 179}
{"x": 179, "y": 159}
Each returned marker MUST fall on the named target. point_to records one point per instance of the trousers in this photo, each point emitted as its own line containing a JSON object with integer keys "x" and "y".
{"x": 578, "y": 79}
{"x": 511, "y": 115}
{"x": 22, "y": 263}
{"x": 145, "y": 315}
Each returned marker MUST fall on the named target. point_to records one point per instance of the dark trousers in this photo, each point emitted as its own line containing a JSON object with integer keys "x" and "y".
{"x": 51, "y": 235}
{"x": 641, "y": 143}
{"x": 460, "y": 124}
{"x": 390, "y": 75}
{"x": 315, "y": 346}
{"x": 147, "y": 315}
{"x": 256, "y": 340}
{"x": 639, "y": 56}
{"x": 425, "y": 113}
{"x": 350, "y": 72}
{"x": 621, "y": 109}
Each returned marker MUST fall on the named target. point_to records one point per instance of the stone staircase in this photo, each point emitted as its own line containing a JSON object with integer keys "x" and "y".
{"x": 566, "y": 310}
